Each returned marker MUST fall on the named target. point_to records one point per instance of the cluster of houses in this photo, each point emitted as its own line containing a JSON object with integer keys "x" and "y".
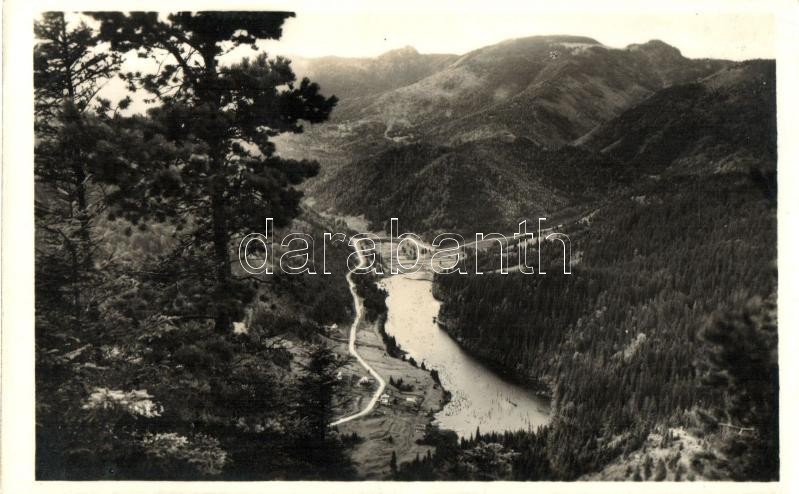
{"x": 386, "y": 399}
{"x": 355, "y": 380}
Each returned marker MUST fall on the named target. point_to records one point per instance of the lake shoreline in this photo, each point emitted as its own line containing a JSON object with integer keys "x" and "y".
{"x": 398, "y": 427}
{"x": 540, "y": 386}
{"x": 481, "y": 397}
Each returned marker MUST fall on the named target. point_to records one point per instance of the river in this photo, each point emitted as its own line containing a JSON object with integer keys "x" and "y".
{"x": 480, "y": 397}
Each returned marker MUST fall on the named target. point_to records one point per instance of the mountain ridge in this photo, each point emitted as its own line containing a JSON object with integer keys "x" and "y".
{"x": 552, "y": 89}
{"x": 532, "y": 109}
{"x": 724, "y": 122}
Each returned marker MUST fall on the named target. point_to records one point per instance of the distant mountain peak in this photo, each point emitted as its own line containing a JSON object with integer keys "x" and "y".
{"x": 568, "y": 38}
{"x": 547, "y": 39}
{"x": 405, "y": 51}
{"x": 657, "y": 46}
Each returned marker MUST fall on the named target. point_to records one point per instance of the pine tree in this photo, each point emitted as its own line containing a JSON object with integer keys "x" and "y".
{"x": 68, "y": 73}
{"x": 647, "y": 467}
{"x": 743, "y": 361}
{"x": 317, "y": 388}
{"x": 660, "y": 471}
{"x": 393, "y": 464}
{"x": 69, "y": 133}
{"x": 230, "y": 178}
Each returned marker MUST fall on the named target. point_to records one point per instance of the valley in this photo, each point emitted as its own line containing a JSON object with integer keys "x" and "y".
{"x": 641, "y": 344}
{"x": 623, "y": 187}
{"x": 464, "y": 396}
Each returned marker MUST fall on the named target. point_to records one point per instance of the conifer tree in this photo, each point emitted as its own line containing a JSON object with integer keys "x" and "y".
{"x": 743, "y": 361}
{"x": 228, "y": 178}
{"x": 68, "y": 74}
{"x": 71, "y": 129}
{"x": 317, "y": 390}
{"x": 393, "y": 464}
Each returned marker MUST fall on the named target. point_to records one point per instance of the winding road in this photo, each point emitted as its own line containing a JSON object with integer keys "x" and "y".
{"x": 353, "y": 335}
{"x": 354, "y": 331}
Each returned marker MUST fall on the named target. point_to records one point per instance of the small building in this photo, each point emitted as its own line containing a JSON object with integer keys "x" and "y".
{"x": 385, "y": 399}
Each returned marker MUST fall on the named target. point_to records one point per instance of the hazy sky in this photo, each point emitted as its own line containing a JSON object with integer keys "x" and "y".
{"x": 734, "y": 36}
{"x": 353, "y": 32}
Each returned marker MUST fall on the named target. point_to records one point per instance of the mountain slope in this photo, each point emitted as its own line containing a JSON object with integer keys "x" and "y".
{"x": 485, "y": 140}
{"x": 353, "y": 78}
{"x": 725, "y": 122}
{"x": 477, "y": 186}
{"x": 551, "y": 89}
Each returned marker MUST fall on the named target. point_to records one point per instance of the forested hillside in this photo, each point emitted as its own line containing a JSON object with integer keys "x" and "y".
{"x": 159, "y": 357}
{"x": 726, "y": 122}
{"x": 486, "y": 186}
{"x": 500, "y": 119}
{"x": 551, "y": 89}
{"x": 155, "y": 357}
{"x": 619, "y": 341}
{"x": 628, "y": 342}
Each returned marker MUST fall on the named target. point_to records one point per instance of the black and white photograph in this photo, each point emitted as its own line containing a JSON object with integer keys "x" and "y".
{"x": 298, "y": 243}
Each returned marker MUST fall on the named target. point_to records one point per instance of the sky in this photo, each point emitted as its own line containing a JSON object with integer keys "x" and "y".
{"x": 359, "y": 32}
{"x": 356, "y": 32}
{"x": 734, "y": 36}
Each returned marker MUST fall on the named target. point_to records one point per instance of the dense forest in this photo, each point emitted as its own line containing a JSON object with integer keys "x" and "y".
{"x": 157, "y": 357}
{"x": 431, "y": 188}
{"x": 139, "y": 372}
{"x": 626, "y": 341}
{"x": 668, "y": 319}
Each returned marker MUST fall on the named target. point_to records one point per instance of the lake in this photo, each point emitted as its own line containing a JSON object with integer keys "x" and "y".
{"x": 480, "y": 397}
